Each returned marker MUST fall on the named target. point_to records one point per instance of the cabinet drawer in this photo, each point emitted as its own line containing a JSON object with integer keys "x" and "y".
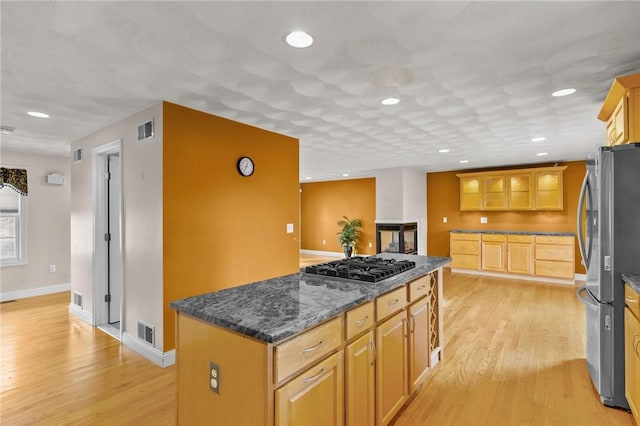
{"x": 465, "y": 247}
{"x": 550, "y": 268}
{"x": 391, "y": 302}
{"x": 304, "y": 349}
{"x": 548, "y": 239}
{"x": 465, "y": 237}
{"x": 359, "y": 319}
{"x": 520, "y": 238}
{"x": 466, "y": 261}
{"x": 554, "y": 252}
{"x": 632, "y": 300}
{"x": 493, "y": 237}
{"x": 419, "y": 288}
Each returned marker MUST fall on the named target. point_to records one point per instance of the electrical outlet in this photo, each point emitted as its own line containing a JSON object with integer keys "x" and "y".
{"x": 370, "y": 245}
{"x": 52, "y": 268}
{"x": 214, "y": 377}
{"x": 324, "y": 242}
{"x": 289, "y": 228}
{"x": 483, "y": 219}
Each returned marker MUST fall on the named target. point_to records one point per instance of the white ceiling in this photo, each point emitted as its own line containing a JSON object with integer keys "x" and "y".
{"x": 473, "y": 77}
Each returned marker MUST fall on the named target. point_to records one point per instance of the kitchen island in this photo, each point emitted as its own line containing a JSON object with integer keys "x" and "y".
{"x": 309, "y": 349}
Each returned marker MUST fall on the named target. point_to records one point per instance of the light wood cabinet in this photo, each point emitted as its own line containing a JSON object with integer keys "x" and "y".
{"x": 471, "y": 193}
{"x": 520, "y": 189}
{"x": 621, "y": 111}
{"x": 495, "y": 194}
{"x": 465, "y": 250}
{"x": 419, "y": 337}
{"x": 359, "y": 320}
{"x": 555, "y": 256}
{"x": 315, "y": 397}
{"x": 391, "y": 367}
{"x": 520, "y": 254}
{"x": 360, "y": 379}
{"x": 493, "y": 253}
{"x": 632, "y": 362}
{"x": 549, "y": 193}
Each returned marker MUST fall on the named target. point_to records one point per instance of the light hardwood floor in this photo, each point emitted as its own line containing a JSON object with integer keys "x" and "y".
{"x": 514, "y": 354}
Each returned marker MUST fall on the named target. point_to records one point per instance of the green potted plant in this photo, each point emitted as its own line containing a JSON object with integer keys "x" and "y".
{"x": 348, "y": 235}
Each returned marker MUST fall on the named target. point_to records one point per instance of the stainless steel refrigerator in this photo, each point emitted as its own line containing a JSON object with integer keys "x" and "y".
{"x": 609, "y": 239}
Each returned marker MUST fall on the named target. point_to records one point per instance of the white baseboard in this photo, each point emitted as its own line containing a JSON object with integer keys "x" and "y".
{"x": 161, "y": 359}
{"x": 514, "y": 276}
{"x": 322, "y": 253}
{"x": 31, "y": 292}
{"x": 81, "y": 313}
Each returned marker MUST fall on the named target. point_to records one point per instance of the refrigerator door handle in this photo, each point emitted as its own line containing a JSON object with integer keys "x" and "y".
{"x": 588, "y": 300}
{"x": 586, "y": 255}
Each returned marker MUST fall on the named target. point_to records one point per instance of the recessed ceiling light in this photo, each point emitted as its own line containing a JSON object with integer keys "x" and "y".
{"x": 345, "y": 174}
{"x": 299, "y": 39}
{"x": 7, "y": 130}
{"x": 542, "y": 154}
{"x": 564, "y": 92}
{"x": 390, "y": 101}
{"x": 443, "y": 150}
{"x": 540, "y": 139}
{"x": 308, "y": 178}
{"x": 38, "y": 114}
{"x": 464, "y": 161}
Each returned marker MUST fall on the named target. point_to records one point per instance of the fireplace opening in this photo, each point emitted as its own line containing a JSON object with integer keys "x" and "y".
{"x": 397, "y": 238}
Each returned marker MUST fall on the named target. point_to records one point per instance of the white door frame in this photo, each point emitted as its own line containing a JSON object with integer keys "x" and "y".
{"x": 100, "y": 255}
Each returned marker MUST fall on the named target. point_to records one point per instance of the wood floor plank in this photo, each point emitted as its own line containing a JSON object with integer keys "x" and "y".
{"x": 514, "y": 355}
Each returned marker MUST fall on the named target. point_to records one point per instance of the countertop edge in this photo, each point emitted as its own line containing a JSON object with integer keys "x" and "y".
{"x": 633, "y": 281}
{"x": 493, "y": 231}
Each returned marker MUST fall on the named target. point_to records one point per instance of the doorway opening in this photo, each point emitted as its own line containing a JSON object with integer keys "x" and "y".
{"x": 108, "y": 248}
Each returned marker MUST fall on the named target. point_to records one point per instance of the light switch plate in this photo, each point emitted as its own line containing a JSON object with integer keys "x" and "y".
{"x": 483, "y": 220}
{"x": 289, "y": 228}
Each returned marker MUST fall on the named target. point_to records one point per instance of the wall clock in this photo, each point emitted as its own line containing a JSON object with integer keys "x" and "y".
{"x": 245, "y": 166}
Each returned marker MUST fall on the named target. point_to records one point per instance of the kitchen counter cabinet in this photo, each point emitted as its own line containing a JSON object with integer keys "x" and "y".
{"x": 465, "y": 250}
{"x": 554, "y": 256}
{"x": 419, "y": 340}
{"x": 275, "y": 346}
{"x": 520, "y": 254}
{"x": 632, "y": 343}
{"x": 493, "y": 252}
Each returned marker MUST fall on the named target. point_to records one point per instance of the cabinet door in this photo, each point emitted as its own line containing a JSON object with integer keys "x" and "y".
{"x": 520, "y": 258}
{"x": 391, "y": 367}
{"x": 632, "y": 362}
{"x": 492, "y": 256}
{"x": 315, "y": 397}
{"x": 520, "y": 195}
{"x": 617, "y": 126}
{"x": 495, "y": 196}
{"x": 419, "y": 338}
{"x": 471, "y": 193}
{"x": 360, "y": 381}
{"x": 549, "y": 190}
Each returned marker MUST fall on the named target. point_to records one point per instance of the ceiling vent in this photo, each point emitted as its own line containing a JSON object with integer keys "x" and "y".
{"x": 77, "y": 155}
{"x": 145, "y": 130}
{"x": 146, "y": 332}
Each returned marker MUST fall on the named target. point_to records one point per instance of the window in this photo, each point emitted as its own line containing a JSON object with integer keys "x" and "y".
{"x": 12, "y": 227}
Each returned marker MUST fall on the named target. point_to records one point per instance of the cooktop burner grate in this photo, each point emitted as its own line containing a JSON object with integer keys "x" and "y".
{"x": 369, "y": 269}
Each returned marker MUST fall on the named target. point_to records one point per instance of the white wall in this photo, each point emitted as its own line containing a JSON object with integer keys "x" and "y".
{"x": 47, "y": 229}
{"x": 142, "y": 221}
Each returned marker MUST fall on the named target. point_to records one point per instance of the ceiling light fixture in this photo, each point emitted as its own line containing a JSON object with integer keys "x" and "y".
{"x": 390, "y": 101}
{"x": 564, "y": 92}
{"x": 299, "y": 39}
{"x": 308, "y": 178}
{"x": 38, "y": 114}
{"x": 464, "y": 161}
{"x": 7, "y": 130}
{"x": 540, "y": 139}
{"x": 443, "y": 150}
{"x": 345, "y": 174}
{"x": 542, "y": 154}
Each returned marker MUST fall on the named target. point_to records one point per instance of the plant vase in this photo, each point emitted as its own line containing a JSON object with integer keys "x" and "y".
{"x": 348, "y": 251}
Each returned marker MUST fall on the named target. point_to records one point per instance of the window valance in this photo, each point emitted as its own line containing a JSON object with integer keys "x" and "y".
{"x": 15, "y": 179}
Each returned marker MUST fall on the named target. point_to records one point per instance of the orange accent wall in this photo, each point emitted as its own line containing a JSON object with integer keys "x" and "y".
{"x": 322, "y": 204}
{"x": 443, "y": 201}
{"x": 221, "y": 229}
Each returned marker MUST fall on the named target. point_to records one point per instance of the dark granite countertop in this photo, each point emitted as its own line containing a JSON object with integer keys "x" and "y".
{"x": 633, "y": 281}
{"x": 492, "y": 231}
{"x": 277, "y": 308}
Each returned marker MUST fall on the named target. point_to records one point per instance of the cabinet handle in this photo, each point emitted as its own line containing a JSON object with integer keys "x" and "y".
{"x": 636, "y": 346}
{"x": 358, "y": 323}
{"x": 311, "y": 379}
{"x": 393, "y": 302}
{"x": 313, "y": 348}
{"x": 372, "y": 345}
{"x": 413, "y": 324}
{"x": 422, "y": 287}
{"x": 405, "y": 324}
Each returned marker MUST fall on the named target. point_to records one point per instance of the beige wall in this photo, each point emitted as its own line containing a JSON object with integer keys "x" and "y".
{"x": 142, "y": 221}
{"x": 47, "y": 227}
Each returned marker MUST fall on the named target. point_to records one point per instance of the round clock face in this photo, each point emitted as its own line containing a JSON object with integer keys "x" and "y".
{"x": 245, "y": 166}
